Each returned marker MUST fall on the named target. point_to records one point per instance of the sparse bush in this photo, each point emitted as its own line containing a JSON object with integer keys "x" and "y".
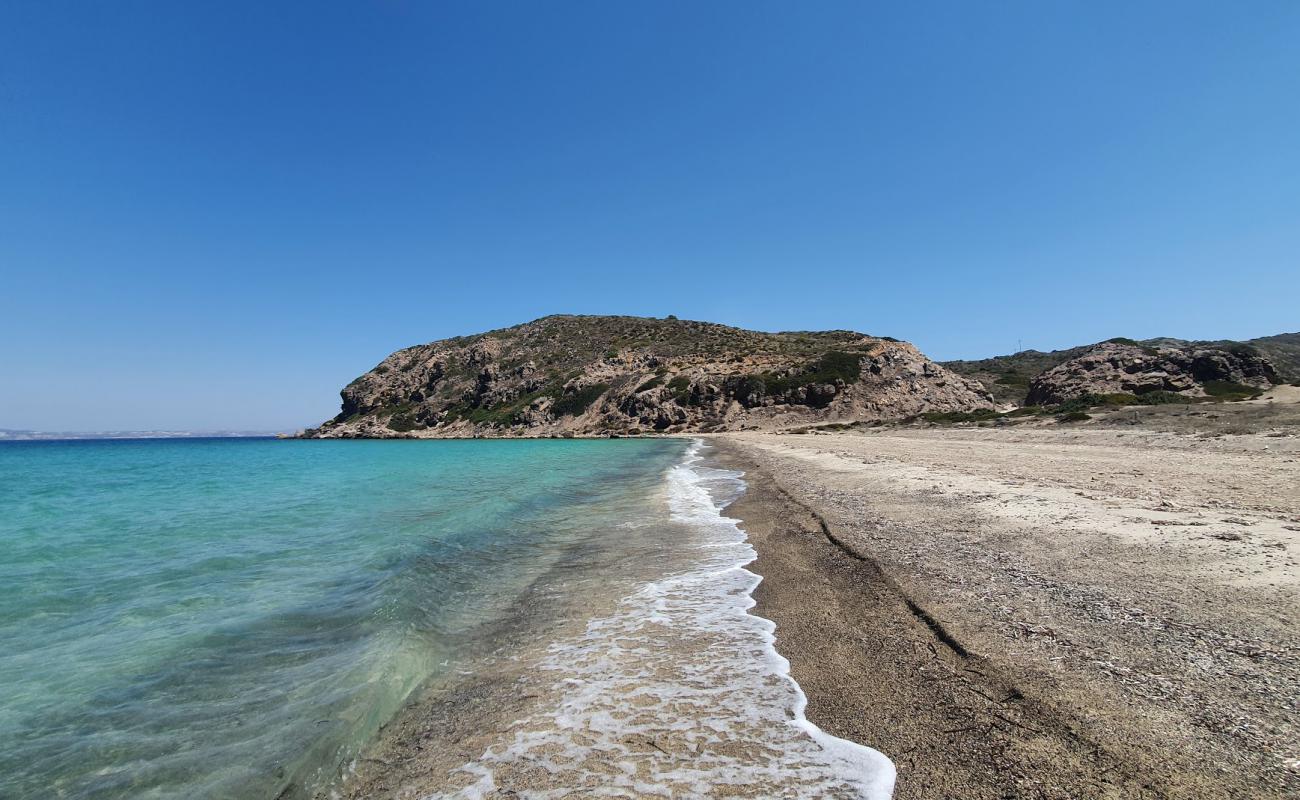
{"x": 1229, "y": 390}
{"x": 510, "y": 412}
{"x": 1074, "y": 416}
{"x": 578, "y": 402}
{"x": 653, "y": 383}
{"x": 1146, "y": 348}
{"x": 402, "y": 423}
{"x": 1087, "y": 401}
{"x": 747, "y": 385}
{"x": 1024, "y": 411}
{"x": 950, "y": 417}
{"x": 832, "y": 367}
{"x": 496, "y": 416}
{"x": 1082, "y": 403}
{"x": 1160, "y": 397}
{"x": 680, "y": 386}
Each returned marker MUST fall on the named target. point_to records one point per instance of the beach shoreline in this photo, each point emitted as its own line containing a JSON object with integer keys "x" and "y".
{"x": 675, "y": 688}
{"x": 1013, "y": 614}
{"x": 1003, "y": 613}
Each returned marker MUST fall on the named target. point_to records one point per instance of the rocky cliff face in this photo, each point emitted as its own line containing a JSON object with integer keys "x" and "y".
{"x": 593, "y": 376}
{"x": 1008, "y": 377}
{"x": 1119, "y": 368}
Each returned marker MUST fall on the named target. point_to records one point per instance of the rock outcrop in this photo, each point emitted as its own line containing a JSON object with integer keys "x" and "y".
{"x": 1123, "y": 368}
{"x": 598, "y": 376}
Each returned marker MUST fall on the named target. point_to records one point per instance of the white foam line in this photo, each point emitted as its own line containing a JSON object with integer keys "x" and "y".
{"x": 685, "y": 665}
{"x": 876, "y": 772}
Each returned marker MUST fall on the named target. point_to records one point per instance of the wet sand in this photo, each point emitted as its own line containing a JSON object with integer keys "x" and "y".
{"x": 669, "y": 688}
{"x": 1031, "y": 612}
{"x": 1039, "y": 613}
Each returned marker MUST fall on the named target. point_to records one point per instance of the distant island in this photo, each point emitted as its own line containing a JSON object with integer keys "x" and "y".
{"x": 569, "y": 375}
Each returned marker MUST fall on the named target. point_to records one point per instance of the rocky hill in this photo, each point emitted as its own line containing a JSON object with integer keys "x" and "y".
{"x": 1282, "y": 349}
{"x": 1008, "y": 377}
{"x": 594, "y": 376}
{"x": 1137, "y": 369}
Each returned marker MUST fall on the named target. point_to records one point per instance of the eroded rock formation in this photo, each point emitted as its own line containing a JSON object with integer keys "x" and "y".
{"x": 1122, "y": 368}
{"x": 593, "y": 376}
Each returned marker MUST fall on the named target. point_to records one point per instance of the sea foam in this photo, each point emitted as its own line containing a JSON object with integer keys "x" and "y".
{"x": 681, "y": 691}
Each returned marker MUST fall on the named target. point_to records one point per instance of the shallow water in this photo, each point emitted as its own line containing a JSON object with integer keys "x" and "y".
{"x": 234, "y": 618}
{"x": 678, "y": 691}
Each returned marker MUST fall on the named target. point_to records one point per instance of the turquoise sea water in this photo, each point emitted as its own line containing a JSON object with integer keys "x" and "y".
{"x": 234, "y": 618}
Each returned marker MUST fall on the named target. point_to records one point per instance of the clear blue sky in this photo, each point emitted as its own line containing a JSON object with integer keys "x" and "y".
{"x": 214, "y": 215}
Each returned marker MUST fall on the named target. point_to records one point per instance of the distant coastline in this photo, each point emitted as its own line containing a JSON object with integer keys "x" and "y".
{"x": 12, "y": 435}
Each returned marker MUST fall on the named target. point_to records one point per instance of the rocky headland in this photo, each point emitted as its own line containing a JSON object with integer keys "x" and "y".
{"x": 563, "y": 376}
{"x": 603, "y": 375}
{"x": 1119, "y": 367}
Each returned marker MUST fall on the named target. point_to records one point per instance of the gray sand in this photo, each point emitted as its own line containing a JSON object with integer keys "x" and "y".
{"x": 1039, "y": 612}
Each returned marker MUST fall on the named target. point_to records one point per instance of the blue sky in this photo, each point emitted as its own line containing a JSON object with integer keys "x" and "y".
{"x": 215, "y": 215}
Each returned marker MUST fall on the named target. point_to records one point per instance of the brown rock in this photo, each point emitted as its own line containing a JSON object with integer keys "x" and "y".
{"x": 1120, "y": 368}
{"x": 592, "y": 376}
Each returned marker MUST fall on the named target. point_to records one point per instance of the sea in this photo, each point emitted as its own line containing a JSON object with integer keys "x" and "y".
{"x": 259, "y": 618}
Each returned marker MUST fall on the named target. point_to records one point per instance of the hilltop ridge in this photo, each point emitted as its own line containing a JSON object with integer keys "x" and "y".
{"x": 1009, "y": 377}
{"x": 567, "y": 375}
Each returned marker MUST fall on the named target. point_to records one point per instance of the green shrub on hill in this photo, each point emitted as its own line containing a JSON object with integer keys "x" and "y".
{"x": 653, "y": 383}
{"x": 1146, "y": 348}
{"x": 1229, "y": 390}
{"x": 1083, "y": 403}
{"x": 833, "y": 366}
{"x": 1024, "y": 411}
{"x": 501, "y": 415}
{"x": 1087, "y": 401}
{"x": 680, "y": 387}
{"x": 578, "y": 402}
{"x": 403, "y": 423}
{"x": 948, "y": 417}
{"x": 1161, "y": 397}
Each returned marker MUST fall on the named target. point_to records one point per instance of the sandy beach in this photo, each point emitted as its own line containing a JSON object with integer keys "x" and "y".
{"x": 1031, "y": 611}
{"x": 1044, "y": 611}
{"x": 649, "y": 401}
{"x": 661, "y": 684}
